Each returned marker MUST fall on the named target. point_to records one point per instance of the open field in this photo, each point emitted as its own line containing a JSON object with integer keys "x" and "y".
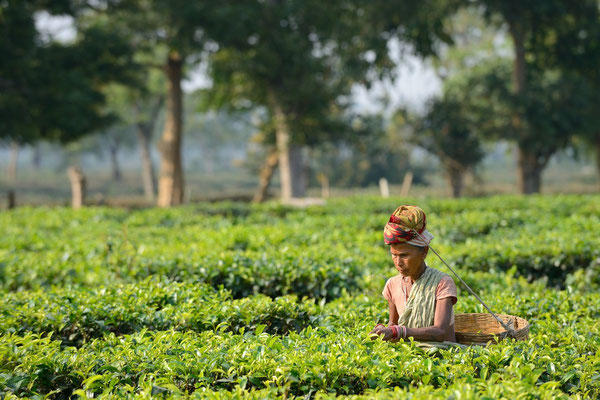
{"x": 49, "y": 185}
{"x": 230, "y": 300}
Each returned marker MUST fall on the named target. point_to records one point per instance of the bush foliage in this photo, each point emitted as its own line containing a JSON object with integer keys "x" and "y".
{"x": 230, "y": 300}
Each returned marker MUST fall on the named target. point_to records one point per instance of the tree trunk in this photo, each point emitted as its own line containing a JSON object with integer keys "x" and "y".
{"x": 529, "y": 178}
{"x": 283, "y": 148}
{"x": 11, "y": 171}
{"x": 170, "y": 185}
{"x": 598, "y": 156}
{"x": 144, "y": 133}
{"x": 530, "y": 172}
{"x": 77, "y": 187}
{"x": 113, "y": 148}
{"x": 12, "y": 201}
{"x": 456, "y": 181}
{"x": 148, "y": 176}
{"x": 518, "y": 36}
{"x": 266, "y": 174}
{"x": 291, "y": 166}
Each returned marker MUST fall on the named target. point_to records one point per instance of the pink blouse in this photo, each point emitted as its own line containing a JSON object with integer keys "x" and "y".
{"x": 397, "y": 289}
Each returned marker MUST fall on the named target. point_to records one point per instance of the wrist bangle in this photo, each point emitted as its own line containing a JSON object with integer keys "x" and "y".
{"x": 404, "y": 333}
{"x": 394, "y": 331}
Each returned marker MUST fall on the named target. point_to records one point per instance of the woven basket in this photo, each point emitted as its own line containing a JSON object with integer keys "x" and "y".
{"x": 482, "y": 328}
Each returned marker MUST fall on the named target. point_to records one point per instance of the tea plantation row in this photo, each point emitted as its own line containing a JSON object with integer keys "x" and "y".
{"x": 315, "y": 252}
{"x": 560, "y": 358}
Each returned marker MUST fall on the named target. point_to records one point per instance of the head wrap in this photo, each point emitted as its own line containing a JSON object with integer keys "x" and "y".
{"x": 403, "y": 223}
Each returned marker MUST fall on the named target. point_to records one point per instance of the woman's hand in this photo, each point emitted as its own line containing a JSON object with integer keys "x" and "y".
{"x": 383, "y": 331}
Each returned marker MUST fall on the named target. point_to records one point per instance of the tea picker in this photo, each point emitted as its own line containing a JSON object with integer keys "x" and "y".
{"x": 421, "y": 298}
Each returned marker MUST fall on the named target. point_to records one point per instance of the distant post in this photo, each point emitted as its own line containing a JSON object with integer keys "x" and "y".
{"x": 77, "y": 187}
{"x": 324, "y": 185}
{"x": 384, "y": 188}
{"x": 406, "y": 184}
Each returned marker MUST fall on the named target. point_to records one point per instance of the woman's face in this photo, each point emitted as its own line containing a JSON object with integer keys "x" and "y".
{"x": 408, "y": 258}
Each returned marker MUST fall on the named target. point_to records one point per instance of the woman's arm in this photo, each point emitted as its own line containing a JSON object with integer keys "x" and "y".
{"x": 440, "y": 330}
{"x": 393, "y": 313}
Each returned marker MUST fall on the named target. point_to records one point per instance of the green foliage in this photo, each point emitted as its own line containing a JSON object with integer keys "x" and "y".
{"x": 299, "y": 56}
{"x": 367, "y": 153}
{"x": 52, "y": 90}
{"x": 446, "y": 131}
{"x": 112, "y": 302}
{"x": 551, "y": 115}
{"x": 276, "y": 250}
{"x": 303, "y": 57}
{"x": 559, "y": 358}
{"x": 523, "y": 98}
{"x": 232, "y": 255}
{"x": 76, "y": 315}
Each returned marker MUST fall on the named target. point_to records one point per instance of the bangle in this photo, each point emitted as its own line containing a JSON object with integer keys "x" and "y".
{"x": 394, "y": 331}
{"x": 404, "y": 332}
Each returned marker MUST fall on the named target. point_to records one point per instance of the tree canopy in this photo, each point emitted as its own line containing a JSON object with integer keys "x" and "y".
{"x": 54, "y": 90}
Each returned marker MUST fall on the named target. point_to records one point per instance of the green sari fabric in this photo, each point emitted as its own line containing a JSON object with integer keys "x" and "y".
{"x": 420, "y": 307}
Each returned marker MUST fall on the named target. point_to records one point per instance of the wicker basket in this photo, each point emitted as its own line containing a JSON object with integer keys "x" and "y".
{"x": 482, "y": 328}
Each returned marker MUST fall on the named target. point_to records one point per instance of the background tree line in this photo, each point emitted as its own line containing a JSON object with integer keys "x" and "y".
{"x": 522, "y": 72}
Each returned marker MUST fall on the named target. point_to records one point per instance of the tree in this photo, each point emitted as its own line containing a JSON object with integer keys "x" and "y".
{"x": 446, "y": 131}
{"x": 53, "y": 90}
{"x": 139, "y": 107}
{"x": 146, "y": 115}
{"x": 50, "y": 90}
{"x": 285, "y": 61}
{"x": 300, "y": 59}
{"x": 579, "y": 53}
{"x": 548, "y": 113}
{"x": 447, "y": 128}
{"x": 170, "y": 35}
{"x": 373, "y": 148}
{"x": 541, "y": 31}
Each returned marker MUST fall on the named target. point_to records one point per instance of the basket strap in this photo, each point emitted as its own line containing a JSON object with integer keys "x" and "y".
{"x": 510, "y": 331}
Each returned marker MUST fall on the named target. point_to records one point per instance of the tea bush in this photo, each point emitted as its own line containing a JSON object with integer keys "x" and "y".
{"x": 76, "y": 315}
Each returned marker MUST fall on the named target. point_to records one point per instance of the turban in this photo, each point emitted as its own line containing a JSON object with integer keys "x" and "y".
{"x": 403, "y": 226}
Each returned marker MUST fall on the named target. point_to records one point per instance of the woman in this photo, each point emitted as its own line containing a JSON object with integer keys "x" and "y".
{"x": 420, "y": 298}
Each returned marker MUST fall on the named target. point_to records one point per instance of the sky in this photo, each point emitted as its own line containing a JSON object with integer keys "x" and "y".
{"x": 416, "y": 80}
